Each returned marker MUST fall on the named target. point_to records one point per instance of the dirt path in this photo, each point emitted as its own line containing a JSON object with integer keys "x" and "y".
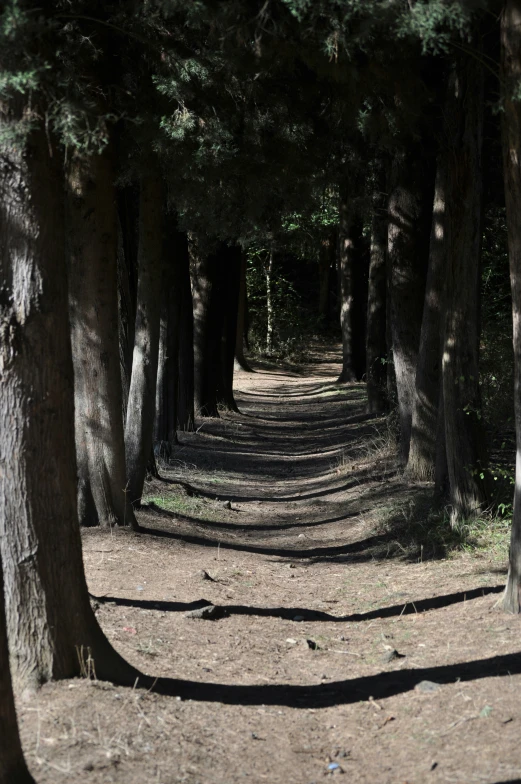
{"x": 289, "y": 532}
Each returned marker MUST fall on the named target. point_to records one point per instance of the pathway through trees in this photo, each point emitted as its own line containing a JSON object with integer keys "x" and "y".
{"x": 337, "y": 646}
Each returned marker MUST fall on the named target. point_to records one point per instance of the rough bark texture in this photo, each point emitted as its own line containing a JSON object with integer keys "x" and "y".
{"x": 345, "y": 279}
{"x": 410, "y": 205}
{"x": 139, "y": 427}
{"x": 511, "y": 73}
{"x": 242, "y": 319}
{"x": 93, "y": 303}
{"x": 361, "y": 261}
{"x": 421, "y": 465}
{"x": 128, "y": 218}
{"x": 464, "y": 433}
{"x": 376, "y": 340}
{"x": 52, "y": 630}
{"x": 13, "y": 769}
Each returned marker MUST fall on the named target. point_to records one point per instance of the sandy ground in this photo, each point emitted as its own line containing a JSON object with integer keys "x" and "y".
{"x": 336, "y": 652}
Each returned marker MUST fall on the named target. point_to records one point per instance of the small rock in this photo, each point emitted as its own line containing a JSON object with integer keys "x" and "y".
{"x": 208, "y": 613}
{"x": 227, "y": 505}
{"x": 390, "y": 656}
{"x": 88, "y": 766}
{"x": 291, "y": 641}
{"x": 298, "y": 618}
{"x": 313, "y": 645}
{"x": 206, "y": 576}
{"x": 300, "y": 536}
{"x": 427, "y": 687}
{"x": 139, "y": 588}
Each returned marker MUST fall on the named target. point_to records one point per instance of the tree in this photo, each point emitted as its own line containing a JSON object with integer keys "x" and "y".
{"x": 511, "y": 74}
{"x": 376, "y": 337}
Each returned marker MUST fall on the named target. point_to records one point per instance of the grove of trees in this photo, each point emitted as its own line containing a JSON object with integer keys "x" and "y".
{"x": 159, "y": 161}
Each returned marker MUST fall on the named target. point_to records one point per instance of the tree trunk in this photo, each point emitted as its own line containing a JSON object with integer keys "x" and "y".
{"x": 345, "y": 279}
{"x": 421, "y": 465}
{"x": 206, "y": 333}
{"x": 511, "y": 117}
{"x": 376, "y": 340}
{"x": 52, "y": 630}
{"x": 185, "y": 366}
{"x": 324, "y": 263}
{"x": 360, "y": 278}
{"x": 410, "y": 206}
{"x": 13, "y": 769}
{"x": 268, "y": 272}
{"x": 464, "y": 432}
{"x": 93, "y": 303}
{"x": 242, "y": 319}
{"x": 230, "y": 276}
{"x": 128, "y": 217}
{"x": 139, "y": 428}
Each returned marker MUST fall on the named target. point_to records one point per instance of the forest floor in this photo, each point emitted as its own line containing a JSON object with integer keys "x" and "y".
{"x": 343, "y": 648}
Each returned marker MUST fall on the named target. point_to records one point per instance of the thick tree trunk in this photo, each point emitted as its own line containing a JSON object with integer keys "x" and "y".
{"x": 376, "y": 340}
{"x": 13, "y": 769}
{"x": 128, "y": 217}
{"x": 410, "y": 205}
{"x": 345, "y": 279}
{"x": 268, "y": 272}
{"x": 421, "y": 465}
{"x": 207, "y": 333}
{"x": 464, "y": 432}
{"x": 51, "y": 628}
{"x": 511, "y": 117}
{"x": 230, "y": 277}
{"x": 139, "y": 428}
{"x": 93, "y": 302}
{"x": 242, "y": 319}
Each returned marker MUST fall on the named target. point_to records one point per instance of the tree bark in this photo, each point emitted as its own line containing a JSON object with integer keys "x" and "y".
{"x": 376, "y": 340}
{"x": 206, "y": 333}
{"x": 324, "y": 264}
{"x": 345, "y": 278}
{"x": 410, "y": 205}
{"x": 52, "y": 630}
{"x": 464, "y": 431}
{"x": 242, "y": 319}
{"x": 128, "y": 219}
{"x": 268, "y": 272}
{"x": 13, "y": 769}
{"x": 230, "y": 277}
{"x": 139, "y": 428}
{"x": 421, "y": 465}
{"x": 93, "y": 303}
{"x": 185, "y": 366}
{"x": 511, "y": 122}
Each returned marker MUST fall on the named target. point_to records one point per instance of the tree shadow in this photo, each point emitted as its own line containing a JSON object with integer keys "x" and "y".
{"x": 290, "y": 613}
{"x": 326, "y": 695}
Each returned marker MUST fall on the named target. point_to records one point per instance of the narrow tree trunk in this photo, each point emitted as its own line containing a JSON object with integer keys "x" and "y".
{"x": 360, "y": 278}
{"x": 464, "y": 432}
{"x": 13, "y": 769}
{"x": 511, "y": 117}
{"x": 421, "y": 465}
{"x": 185, "y": 366}
{"x": 93, "y": 302}
{"x": 268, "y": 272}
{"x": 345, "y": 279}
{"x": 242, "y": 319}
{"x": 52, "y": 630}
{"x": 376, "y": 341}
{"x": 230, "y": 274}
{"x": 410, "y": 205}
{"x": 324, "y": 263}
{"x": 139, "y": 428}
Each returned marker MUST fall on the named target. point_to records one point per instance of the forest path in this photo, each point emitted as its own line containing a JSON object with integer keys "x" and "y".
{"x": 295, "y": 533}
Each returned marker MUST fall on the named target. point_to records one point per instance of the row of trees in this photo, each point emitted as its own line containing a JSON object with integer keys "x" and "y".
{"x": 143, "y": 148}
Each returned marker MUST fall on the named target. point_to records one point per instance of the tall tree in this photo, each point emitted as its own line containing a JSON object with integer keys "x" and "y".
{"x": 464, "y": 431}
{"x": 52, "y": 630}
{"x": 139, "y": 427}
{"x": 376, "y": 337}
{"x": 511, "y": 117}
{"x": 93, "y": 303}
